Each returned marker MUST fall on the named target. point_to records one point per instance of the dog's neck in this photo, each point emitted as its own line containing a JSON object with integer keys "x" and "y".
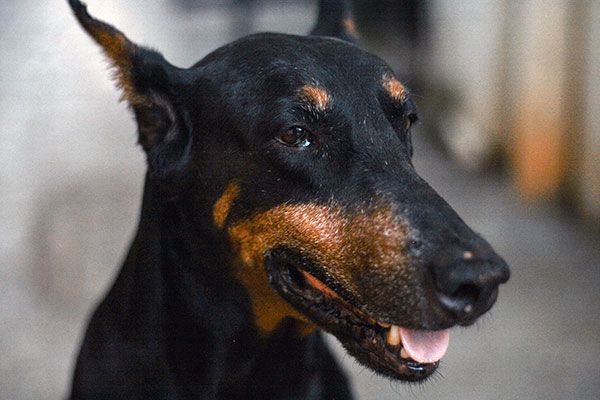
{"x": 176, "y": 298}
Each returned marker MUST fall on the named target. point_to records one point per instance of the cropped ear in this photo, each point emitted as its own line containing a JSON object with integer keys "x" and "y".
{"x": 336, "y": 20}
{"x": 149, "y": 84}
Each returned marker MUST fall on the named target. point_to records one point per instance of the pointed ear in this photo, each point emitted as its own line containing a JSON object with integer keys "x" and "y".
{"x": 147, "y": 81}
{"x": 336, "y": 20}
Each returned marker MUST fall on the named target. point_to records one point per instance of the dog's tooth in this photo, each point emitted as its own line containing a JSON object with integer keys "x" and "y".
{"x": 404, "y": 354}
{"x": 393, "y": 335}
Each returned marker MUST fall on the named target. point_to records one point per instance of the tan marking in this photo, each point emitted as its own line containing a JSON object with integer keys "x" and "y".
{"x": 343, "y": 243}
{"x": 119, "y": 51}
{"x": 350, "y": 27}
{"x": 269, "y": 309}
{"x": 316, "y": 96}
{"x": 394, "y": 88}
{"x": 223, "y": 204}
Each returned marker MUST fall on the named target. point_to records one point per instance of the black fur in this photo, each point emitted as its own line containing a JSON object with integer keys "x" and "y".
{"x": 176, "y": 325}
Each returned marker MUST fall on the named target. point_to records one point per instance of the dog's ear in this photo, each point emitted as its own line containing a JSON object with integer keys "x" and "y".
{"x": 149, "y": 84}
{"x": 336, "y": 20}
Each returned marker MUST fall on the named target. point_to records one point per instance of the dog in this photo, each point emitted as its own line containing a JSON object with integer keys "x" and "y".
{"x": 280, "y": 200}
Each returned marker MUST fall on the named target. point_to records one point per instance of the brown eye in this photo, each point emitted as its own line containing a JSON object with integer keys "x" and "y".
{"x": 295, "y": 136}
{"x": 410, "y": 121}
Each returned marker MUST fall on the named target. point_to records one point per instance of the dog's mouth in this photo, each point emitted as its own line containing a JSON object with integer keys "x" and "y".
{"x": 392, "y": 350}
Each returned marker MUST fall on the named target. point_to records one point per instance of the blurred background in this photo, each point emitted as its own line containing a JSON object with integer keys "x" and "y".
{"x": 510, "y": 136}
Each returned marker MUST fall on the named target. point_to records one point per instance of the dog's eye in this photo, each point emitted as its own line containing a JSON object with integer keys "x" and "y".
{"x": 410, "y": 120}
{"x": 296, "y": 136}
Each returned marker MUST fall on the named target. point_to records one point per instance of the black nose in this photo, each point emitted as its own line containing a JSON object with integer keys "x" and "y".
{"x": 466, "y": 283}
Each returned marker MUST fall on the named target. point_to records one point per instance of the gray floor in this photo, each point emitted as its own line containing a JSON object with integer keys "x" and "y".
{"x": 70, "y": 177}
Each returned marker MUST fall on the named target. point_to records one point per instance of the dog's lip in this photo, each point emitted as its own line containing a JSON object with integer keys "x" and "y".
{"x": 364, "y": 337}
{"x": 420, "y": 346}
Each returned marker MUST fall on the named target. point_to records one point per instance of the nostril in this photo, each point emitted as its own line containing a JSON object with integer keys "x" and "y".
{"x": 468, "y": 294}
{"x": 463, "y": 300}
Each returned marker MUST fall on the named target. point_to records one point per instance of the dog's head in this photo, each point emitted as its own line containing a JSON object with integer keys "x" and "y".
{"x": 300, "y": 148}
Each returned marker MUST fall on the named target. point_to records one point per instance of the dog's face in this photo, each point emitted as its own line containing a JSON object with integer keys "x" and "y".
{"x": 322, "y": 203}
{"x": 301, "y": 148}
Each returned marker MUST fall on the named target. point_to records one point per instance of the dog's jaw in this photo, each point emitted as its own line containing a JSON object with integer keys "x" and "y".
{"x": 374, "y": 343}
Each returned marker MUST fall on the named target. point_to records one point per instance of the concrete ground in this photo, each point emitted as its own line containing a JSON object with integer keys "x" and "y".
{"x": 70, "y": 181}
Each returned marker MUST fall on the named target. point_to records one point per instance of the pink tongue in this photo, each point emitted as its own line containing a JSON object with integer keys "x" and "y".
{"x": 425, "y": 346}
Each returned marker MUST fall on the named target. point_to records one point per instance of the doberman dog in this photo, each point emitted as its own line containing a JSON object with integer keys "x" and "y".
{"x": 280, "y": 199}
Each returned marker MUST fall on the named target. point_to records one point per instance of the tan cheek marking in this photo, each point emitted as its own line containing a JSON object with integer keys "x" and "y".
{"x": 223, "y": 204}
{"x": 394, "y": 88}
{"x": 316, "y": 96}
{"x": 269, "y": 309}
{"x": 342, "y": 244}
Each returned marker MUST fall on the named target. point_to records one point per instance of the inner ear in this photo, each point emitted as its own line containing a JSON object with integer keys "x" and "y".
{"x": 147, "y": 81}
{"x": 165, "y": 135}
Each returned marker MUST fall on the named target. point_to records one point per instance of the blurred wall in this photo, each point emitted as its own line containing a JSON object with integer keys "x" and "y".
{"x": 524, "y": 79}
{"x": 589, "y": 181}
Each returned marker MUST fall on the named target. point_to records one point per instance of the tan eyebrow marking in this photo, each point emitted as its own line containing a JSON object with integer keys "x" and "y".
{"x": 223, "y": 204}
{"x": 394, "y": 88}
{"x": 316, "y": 96}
